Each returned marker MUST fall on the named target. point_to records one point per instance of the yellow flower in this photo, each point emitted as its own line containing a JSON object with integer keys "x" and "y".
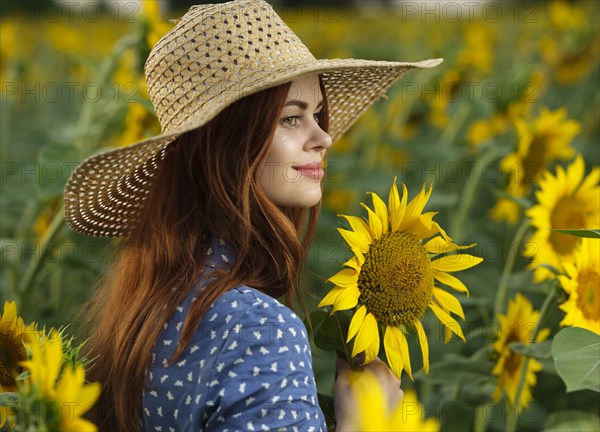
{"x": 582, "y": 284}
{"x": 45, "y": 362}
{"x": 139, "y": 124}
{"x": 541, "y": 142}
{"x": 565, "y": 201}
{"x": 507, "y": 209}
{"x": 157, "y": 26}
{"x": 570, "y": 64}
{"x": 479, "y": 48}
{"x": 566, "y": 15}
{"x": 391, "y": 278}
{"x": 372, "y": 414}
{"x": 69, "y": 392}
{"x": 13, "y": 334}
{"x": 6, "y": 415}
{"x": 75, "y": 398}
{"x": 10, "y": 39}
{"x": 449, "y": 85}
{"x": 516, "y": 326}
{"x": 482, "y": 130}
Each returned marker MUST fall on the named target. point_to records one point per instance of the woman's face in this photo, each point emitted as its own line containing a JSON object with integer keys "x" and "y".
{"x": 292, "y": 171}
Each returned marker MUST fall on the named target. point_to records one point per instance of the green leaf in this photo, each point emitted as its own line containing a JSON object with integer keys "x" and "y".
{"x": 330, "y": 333}
{"x": 541, "y": 350}
{"x": 454, "y": 369}
{"x": 576, "y": 353}
{"x": 314, "y": 320}
{"x": 522, "y": 202}
{"x": 328, "y": 408}
{"x": 56, "y": 162}
{"x": 589, "y": 233}
{"x": 572, "y": 421}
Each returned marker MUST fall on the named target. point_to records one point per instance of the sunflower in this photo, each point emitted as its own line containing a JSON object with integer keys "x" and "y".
{"x": 544, "y": 140}
{"x": 582, "y": 284}
{"x": 13, "y": 333}
{"x": 372, "y": 416}
{"x": 516, "y": 326}
{"x": 6, "y": 417}
{"x": 67, "y": 391}
{"x": 565, "y": 201}
{"x": 157, "y": 26}
{"x": 392, "y": 278}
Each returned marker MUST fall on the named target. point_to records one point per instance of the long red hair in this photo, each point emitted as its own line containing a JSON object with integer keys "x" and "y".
{"x": 207, "y": 186}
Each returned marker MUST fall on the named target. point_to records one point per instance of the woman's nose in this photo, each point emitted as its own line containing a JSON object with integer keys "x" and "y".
{"x": 320, "y": 140}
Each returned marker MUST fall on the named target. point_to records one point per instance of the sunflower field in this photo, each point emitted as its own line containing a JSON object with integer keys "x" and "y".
{"x": 459, "y": 237}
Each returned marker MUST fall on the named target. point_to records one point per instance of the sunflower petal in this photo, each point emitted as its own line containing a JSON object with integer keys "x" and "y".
{"x": 397, "y": 214}
{"x": 367, "y": 339}
{"x": 331, "y": 296}
{"x": 374, "y": 222}
{"x": 352, "y": 263}
{"x": 358, "y": 225}
{"x": 360, "y": 257}
{"x": 455, "y": 262}
{"x": 393, "y": 198}
{"x": 347, "y": 299}
{"x": 423, "y": 221}
{"x": 381, "y": 211}
{"x": 405, "y": 354}
{"x": 356, "y": 322}
{"x": 448, "y": 302}
{"x": 450, "y": 323}
{"x": 451, "y": 281}
{"x": 442, "y": 232}
{"x": 344, "y": 278}
{"x": 10, "y": 313}
{"x": 424, "y": 345}
{"x": 393, "y": 352}
{"x": 423, "y": 227}
{"x": 355, "y": 240}
{"x": 416, "y": 206}
{"x": 439, "y": 245}
{"x": 53, "y": 356}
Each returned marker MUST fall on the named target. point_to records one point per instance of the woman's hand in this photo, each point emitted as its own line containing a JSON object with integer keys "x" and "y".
{"x": 345, "y": 404}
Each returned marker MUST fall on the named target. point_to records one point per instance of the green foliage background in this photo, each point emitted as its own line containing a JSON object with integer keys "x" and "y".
{"x": 66, "y": 94}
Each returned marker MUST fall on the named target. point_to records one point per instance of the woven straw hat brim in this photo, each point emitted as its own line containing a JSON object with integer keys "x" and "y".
{"x": 106, "y": 192}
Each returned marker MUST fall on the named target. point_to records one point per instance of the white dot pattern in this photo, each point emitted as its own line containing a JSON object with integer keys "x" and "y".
{"x": 215, "y": 55}
{"x": 248, "y": 367}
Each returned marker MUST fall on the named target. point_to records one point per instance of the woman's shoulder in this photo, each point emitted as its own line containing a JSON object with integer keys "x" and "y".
{"x": 245, "y": 300}
{"x": 254, "y": 314}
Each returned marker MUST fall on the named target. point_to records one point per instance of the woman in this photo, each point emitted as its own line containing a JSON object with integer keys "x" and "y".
{"x": 217, "y": 214}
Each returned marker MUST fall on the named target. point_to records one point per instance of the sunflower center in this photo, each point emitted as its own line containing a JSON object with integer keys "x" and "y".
{"x": 588, "y": 298}
{"x": 566, "y": 215}
{"x": 11, "y": 353}
{"x": 396, "y": 280}
{"x": 513, "y": 362}
{"x": 536, "y": 158}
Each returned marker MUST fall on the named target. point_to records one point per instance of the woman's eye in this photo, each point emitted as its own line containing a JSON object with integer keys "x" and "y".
{"x": 317, "y": 117}
{"x": 291, "y": 120}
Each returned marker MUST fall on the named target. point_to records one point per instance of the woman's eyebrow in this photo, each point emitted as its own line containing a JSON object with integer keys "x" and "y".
{"x": 301, "y": 104}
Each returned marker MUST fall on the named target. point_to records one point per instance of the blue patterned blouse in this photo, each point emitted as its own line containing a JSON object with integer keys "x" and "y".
{"x": 247, "y": 368}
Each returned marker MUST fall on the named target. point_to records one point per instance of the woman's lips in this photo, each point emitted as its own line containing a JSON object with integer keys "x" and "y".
{"x": 312, "y": 170}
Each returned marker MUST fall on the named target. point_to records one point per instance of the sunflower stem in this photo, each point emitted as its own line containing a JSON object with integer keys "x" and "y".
{"x": 508, "y": 266}
{"x": 513, "y": 412}
{"x": 465, "y": 203}
{"x": 36, "y": 261}
{"x": 480, "y": 422}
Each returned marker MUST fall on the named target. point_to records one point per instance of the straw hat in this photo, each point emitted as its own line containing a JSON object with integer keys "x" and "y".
{"x": 216, "y": 54}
